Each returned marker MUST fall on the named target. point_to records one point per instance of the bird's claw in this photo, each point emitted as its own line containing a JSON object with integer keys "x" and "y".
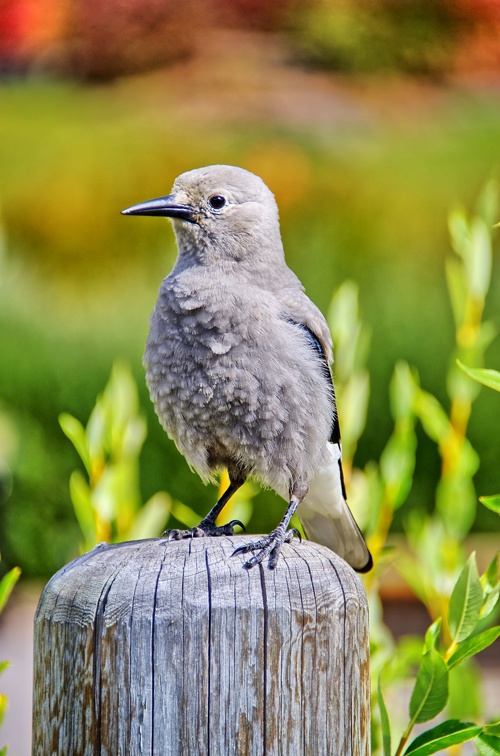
{"x": 205, "y": 528}
{"x": 269, "y": 546}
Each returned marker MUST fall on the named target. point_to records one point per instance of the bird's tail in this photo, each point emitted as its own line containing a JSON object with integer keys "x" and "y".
{"x": 328, "y": 520}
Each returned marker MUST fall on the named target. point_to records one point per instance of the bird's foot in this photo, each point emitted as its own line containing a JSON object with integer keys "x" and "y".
{"x": 205, "y": 528}
{"x": 269, "y": 546}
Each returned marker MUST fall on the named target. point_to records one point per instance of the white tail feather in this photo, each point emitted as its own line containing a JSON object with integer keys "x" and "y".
{"x": 328, "y": 520}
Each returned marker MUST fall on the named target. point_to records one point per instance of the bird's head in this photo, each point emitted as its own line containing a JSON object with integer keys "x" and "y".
{"x": 219, "y": 211}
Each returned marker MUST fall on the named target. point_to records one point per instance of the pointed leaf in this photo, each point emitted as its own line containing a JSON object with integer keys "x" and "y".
{"x": 473, "y": 646}
{"x": 446, "y": 734}
{"x": 490, "y": 578}
{"x": 487, "y": 745}
{"x": 465, "y": 602}
{"x": 432, "y": 634}
{"x": 185, "y": 514}
{"x": 493, "y": 728}
{"x": 3, "y": 707}
{"x": 492, "y": 502}
{"x": 431, "y": 688}
{"x": 75, "y": 431}
{"x": 7, "y": 584}
{"x": 478, "y": 259}
{"x": 82, "y": 504}
{"x": 487, "y": 377}
{"x": 151, "y": 518}
{"x": 384, "y": 720}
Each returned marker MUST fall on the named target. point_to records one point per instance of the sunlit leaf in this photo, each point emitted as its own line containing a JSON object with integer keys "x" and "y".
{"x": 490, "y": 578}
{"x": 490, "y": 583}
{"x": 493, "y": 728}
{"x": 444, "y": 735}
{"x": 457, "y": 287}
{"x": 185, "y": 514}
{"x": 473, "y": 646}
{"x": 487, "y": 202}
{"x": 492, "y": 502}
{"x": 431, "y": 414}
{"x": 384, "y": 720}
{"x": 402, "y": 390}
{"x": 478, "y": 259}
{"x": 487, "y": 745}
{"x": 82, "y": 503}
{"x": 75, "y": 431}
{"x": 7, "y": 584}
{"x": 431, "y": 688}
{"x": 458, "y": 226}
{"x": 151, "y": 518}
{"x": 3, "y": 709}
{"x": 486, "y": 376}
{"x": 432, "y": 634}
{"x": 397, "y": 464}
{"x": 465, "y": 602}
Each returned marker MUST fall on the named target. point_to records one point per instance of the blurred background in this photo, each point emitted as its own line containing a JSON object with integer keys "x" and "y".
{"x": 368, "y": 119}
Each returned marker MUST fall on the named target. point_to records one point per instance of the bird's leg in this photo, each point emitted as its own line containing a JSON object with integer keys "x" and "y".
{"x": 207, "y": 526}
{"x": 271, "y": 545}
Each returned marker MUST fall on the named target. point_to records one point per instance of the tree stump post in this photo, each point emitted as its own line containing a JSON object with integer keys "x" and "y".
{"x": 174, "y": 649}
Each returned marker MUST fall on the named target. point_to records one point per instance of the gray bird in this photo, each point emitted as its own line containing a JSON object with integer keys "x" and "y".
{"x": 238, "y": 362}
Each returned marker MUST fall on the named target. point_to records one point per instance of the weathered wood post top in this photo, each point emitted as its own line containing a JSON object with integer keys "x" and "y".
{"x": 173, "y": 648}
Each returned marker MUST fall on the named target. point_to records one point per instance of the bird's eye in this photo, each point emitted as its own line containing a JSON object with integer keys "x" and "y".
{"x": 217, "y": 202}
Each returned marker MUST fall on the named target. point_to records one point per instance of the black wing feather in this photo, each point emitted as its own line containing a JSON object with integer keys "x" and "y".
{"x": 315, "y": 343}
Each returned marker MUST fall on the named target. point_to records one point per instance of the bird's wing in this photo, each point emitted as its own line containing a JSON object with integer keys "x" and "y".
{"x": 324, "y": 512}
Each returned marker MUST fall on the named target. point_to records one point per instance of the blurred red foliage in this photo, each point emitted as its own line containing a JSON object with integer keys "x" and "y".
{"x": 96, "y": 39}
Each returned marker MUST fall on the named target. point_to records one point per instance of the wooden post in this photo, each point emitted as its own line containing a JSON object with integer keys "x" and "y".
{"x": 173, "y": 648}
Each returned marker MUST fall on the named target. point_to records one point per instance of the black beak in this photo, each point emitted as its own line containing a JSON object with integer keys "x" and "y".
{"x": 167, "y": 207}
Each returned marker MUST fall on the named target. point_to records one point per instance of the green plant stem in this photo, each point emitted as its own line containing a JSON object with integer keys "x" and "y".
{"x": 404, "y": 738}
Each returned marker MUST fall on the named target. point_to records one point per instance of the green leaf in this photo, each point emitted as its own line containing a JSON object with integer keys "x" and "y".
{"x": 75, "y": 431}
{"x": 478, "y": 259}
{"x": 3, "y": 666}
{"x": 431, "y": 688}
{"x": 490, "y": 583}
{"x": 82, "y": 503}
{"x": 487, "y": 377}
{"x": 151, "y": 518}
{"x": 473, "y": 646}
{"x": 446, "y": 734}
{"x": 457, "y": 287}
{"x": 402, "y": 390}
{"x": 432, "y": 635}
{"x": 490, "y": 577}
{"x": 493, "y": 728}
{"x": 185, "y": 514}
{"x": 487, "y": 202}
{"x": 465, "y": 602}
{"x": 7, "y": 584}
{"x": 492, "y": 502}
{"x": 431, "y": 414}
{"x": 3, "y": 707}
{"x": 384, "y": 720}
{"x": 487, "y": 745}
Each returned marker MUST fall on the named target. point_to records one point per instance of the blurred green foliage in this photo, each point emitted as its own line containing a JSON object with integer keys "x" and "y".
{"x": 365, "y": 201}
{"x": 459, "y": 601}
{"x": 7, "y": 583}
{"x": 360, "y": 36}
{"x": 108, "y": 505}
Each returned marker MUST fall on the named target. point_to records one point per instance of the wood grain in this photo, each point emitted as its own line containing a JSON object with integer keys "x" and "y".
{"x": 169, "y": 648}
